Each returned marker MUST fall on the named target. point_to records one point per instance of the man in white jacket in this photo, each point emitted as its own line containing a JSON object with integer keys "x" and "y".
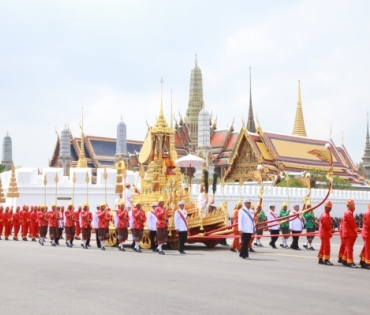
{"x": 296, "y": 226}
{"x": 246, "y": 227}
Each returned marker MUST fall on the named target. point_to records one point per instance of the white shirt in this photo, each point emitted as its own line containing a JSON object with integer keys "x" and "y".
{"x": 115, "y": 218}
{"x": 179, "y": 222}
{"x": 95, "y": 221}
{"x": 117, "y": 203}
{"x": 296, "y": 224}
{"x": 245, "y": 221}
{"x": 128, "y": 198}
{"x": 152, "y": 221}
{"x": 270, "y": 217}
{"x": 130, "y": 219}
{"x": 61, "y": 220}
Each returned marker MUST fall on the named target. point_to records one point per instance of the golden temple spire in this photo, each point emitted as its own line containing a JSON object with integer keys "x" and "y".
{"x": 82, "y": 163}
{"x": 299, "y": 128}
{"x": 161, "y": 123}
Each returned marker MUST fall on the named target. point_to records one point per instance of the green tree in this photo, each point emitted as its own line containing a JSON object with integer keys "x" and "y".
{"x": 2, "y": 168}
{"x": 319, "y": 180}
{"x": 293, "y": 182}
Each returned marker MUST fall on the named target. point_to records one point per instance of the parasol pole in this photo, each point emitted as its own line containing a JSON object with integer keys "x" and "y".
{"x": 105, "y": 176}
{"x": 56, "y": 180}
{"x": 45, "y": 182}
{"x": 87, "y": 180}
{"x": 73, "y": 187}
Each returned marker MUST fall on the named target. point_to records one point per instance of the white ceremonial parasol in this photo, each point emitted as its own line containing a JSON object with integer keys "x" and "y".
{"x": 189, "y": 160}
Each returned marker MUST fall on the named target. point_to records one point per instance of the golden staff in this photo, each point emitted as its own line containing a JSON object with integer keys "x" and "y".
{"x": 56, "y": 180}
{"x": 241, "y": 182}
{"x": 73, "y": 187}
{"x": 87, "y": 180}
{"x": 105, "y": 176}
{"x": 45, "y": 182}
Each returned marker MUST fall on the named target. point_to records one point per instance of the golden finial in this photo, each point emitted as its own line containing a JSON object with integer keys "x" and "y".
{"x": 342, "y": 137}
{"x": 330, "y": 132}
{"x": 82, "y": 163}
{"x": 196, "y": 60}
{"x": 171, "y": 121}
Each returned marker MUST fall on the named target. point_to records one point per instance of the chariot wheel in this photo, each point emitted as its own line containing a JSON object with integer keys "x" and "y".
{"x": 145, "y": 241}
{"x": 173, "y": 243}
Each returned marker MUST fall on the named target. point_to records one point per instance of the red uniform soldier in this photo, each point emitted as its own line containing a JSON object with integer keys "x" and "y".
{"x": 33, "y": 222}
{"x": 77, "y": 223}
{"x": 103, "y": 223}
{"x": 53, "y": 217}
{"x": 25, "y": 222}
{"x": 122, "y": 225}
{"x": 16, "y": 223}
{"x": 1, "y": 220}
{"x": 325, "y": 234}
{"x": 162, "y": 219}
{"x": 42, "y": 224}
{"x": 69, "y": 224}
{"x": 138, "y": 226}
{"x": 86, "y": 219}
{"x": 7, "y": 222}
{"x": 235, "y": 246}
{"x": 365, "y": 253}
{"x": 349, "y": 233}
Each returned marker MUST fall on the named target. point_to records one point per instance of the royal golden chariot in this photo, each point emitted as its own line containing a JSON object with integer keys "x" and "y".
{"x": 164, "y": 179}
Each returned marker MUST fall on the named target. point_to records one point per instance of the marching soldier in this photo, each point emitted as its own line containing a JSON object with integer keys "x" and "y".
{"x": 25, "y": 222}
{"x": 33, "y": 223}
{"x": 7, "y": 221}
{"x": 69, "y": 224}
{"x": 103, "y": 222}
{"x": 296, "y": 227}
{"x": 77, "y": 216}
{"x": 86, "y": 219}
{"x": 273, "y": 226}
{"x": 349, "y": 233}
{"x": 16, "y": 223}
{"x": 53, "y": 217}
{"x": 139, "y": 218}
{"x": 325, "y": 234}
{"x": 284, "y": 226}
{"x": 365, "y": 254}
{"x": 122, "y": 225}
{"x": 162, "y": 219}
{"x": 235, "y": 246}
{"x": 42, "y": 223}
{"x": 1, "y": 220}
{"x": 152, "y": 227}
{"x": 181, "y": 225}
{"x": 261, "y": 217}
{"x": 309, "y": 218}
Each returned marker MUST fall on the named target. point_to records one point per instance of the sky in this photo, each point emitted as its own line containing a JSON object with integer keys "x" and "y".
{"x": 109, "y": 56}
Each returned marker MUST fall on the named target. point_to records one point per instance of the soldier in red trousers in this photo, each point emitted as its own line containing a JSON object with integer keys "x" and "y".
{"x": 162, "y": 219}
{"x": 349, "y": 233}
{"x": 1, "y": 220}
{"x": 365, "y": 253}
{"x": 16, "y": 223}
{"x": 33, "y": 222}
{"x": 325, "y": 234}
{"x": 25, "y": 222}
{"x": 138, "y": 225}
{"x": 77, "y": 223}
{"x": 7, "y": 222}
{"x": 122, "y": 225}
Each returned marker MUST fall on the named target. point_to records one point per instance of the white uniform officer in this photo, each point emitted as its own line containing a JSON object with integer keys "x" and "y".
{"x": 181, "y": 225}
{"x": 246, "y": 227}
{"x": 273, "y": 226}
{"x": 152, "y": 226}
{"x": 296, "y": 226}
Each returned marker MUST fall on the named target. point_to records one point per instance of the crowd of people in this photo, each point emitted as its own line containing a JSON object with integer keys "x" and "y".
{"x": 36, "y": 221}
{"x": 249, "y": 224}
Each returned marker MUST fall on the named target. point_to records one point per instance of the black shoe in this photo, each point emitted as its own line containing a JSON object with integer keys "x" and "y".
{"x": 139, "y": 250}
{"x": 255, "y": 244}
{"x": 260, "y": 245}
{"x": 364, "y": 266}
{"x": 321, "y": 261}
{"x": 7, "y": 239}
{"x": 281, "y": 245}
{"x": 233, "y": 250}
{"x": 328, "y": 263}
{"x": 340, "y": 260}
{"x": 274, "y": 247}
{"x": 182, "y": 252}
{"x": 53, "y": 244}
{"x": 305, "y": 246}
{"x": 61, "y": 238}
{"x": 361, "y": 263}
{"x": 161, "y": 252}
{"x": 89, "y": 245}
{"x": 119, "y": 248}
{"x": 24, "y": 239}
{"x": 102, "y": 248}
{"x": 298, "y": 248}
{"x": 311, "y": 248}
{"x": 352, "y": 266}
{"x": 252, "y": 250}
{"x": 82, "y": 245}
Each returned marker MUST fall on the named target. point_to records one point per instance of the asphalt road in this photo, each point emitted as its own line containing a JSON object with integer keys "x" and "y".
{"x": 48, "y": 280}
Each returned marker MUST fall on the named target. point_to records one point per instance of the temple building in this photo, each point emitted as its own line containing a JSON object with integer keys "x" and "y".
{"x": 7, "y": 159}
{"x": 229, "y": 152}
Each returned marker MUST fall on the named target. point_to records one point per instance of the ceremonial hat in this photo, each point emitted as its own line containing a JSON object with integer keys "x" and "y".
{"x": 42, "y": 206}
{"x": 296, "y": 204}
{"x": 239, "y": 203}
{"x": 328, "y": 204}
{"x": 85, "y": 204}
{"x": 308, "y": 203}
{"x": 70, "y": 203}
{"x": 122, "y": 202}
{"x": 284, "y": 204}
{"x": 247, "y": 200}
{"x": 102, "y": 204}
{"x": 161, "y": 199}
{"x": 181, "y": 202}
{"x": 53, "y": 204}
{"x": 272, "y": 205}
{"x": 154, "y": 204}
{"x": 350, "y": 202}
{"x": 252, "y": 206}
